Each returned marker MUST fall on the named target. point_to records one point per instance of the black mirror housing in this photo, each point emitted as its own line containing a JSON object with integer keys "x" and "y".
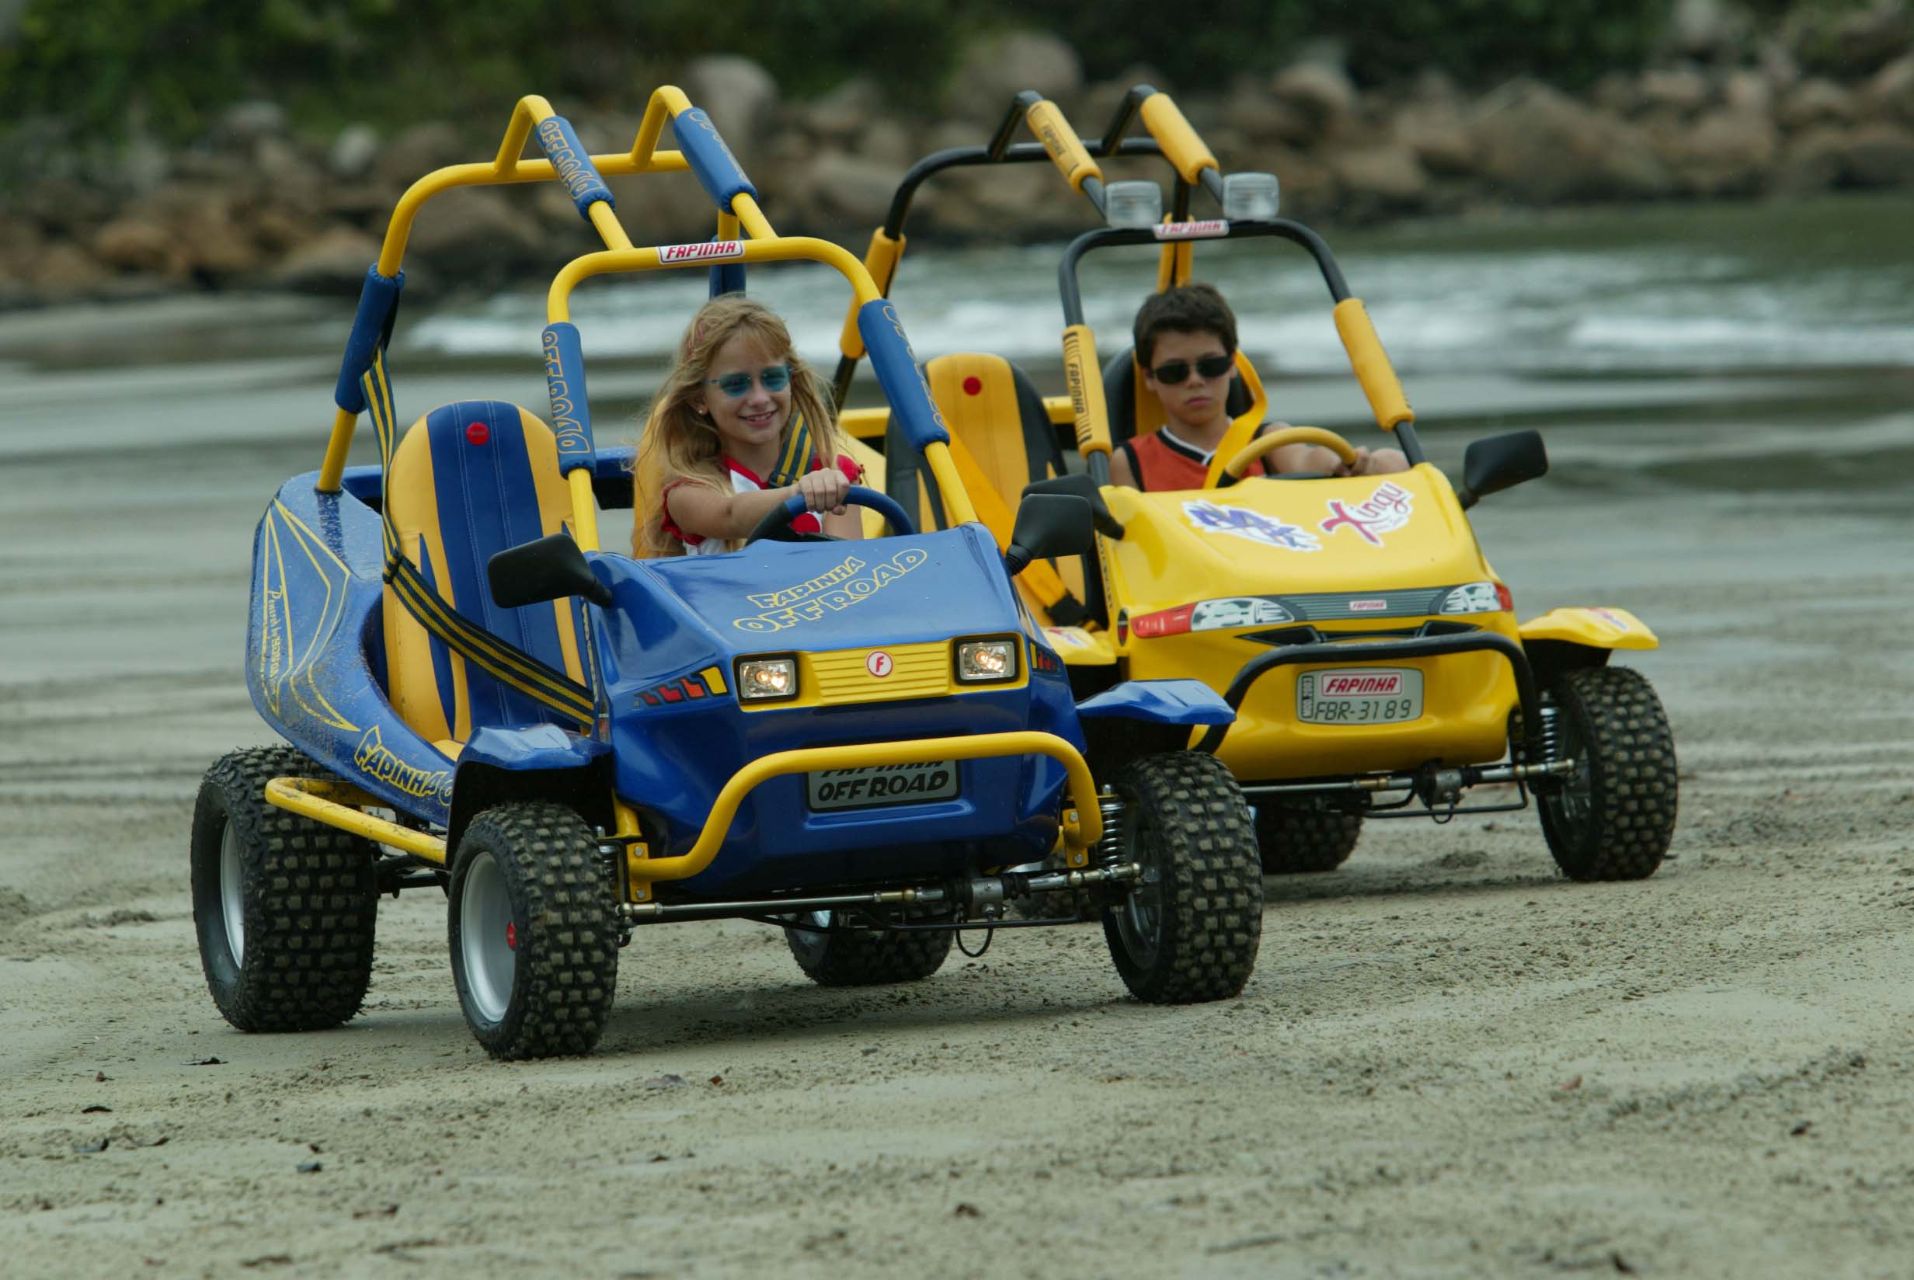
{"x": 1085, "y": 487}
{"x": 1495, "y": 463}
{"x": 1049, "y": 525}
{"x": 549, "y": 568}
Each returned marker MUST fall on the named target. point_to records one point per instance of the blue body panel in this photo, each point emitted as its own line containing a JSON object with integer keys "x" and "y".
{"x": 1159, "y": 702}
{"x": 313, "y": 669}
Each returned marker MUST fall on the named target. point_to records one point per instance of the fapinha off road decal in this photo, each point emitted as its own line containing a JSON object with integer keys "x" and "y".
{"x": 841, "y": 588}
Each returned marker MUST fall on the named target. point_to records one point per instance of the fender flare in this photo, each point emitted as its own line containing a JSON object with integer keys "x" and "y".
{"x": 1581, "y": 636}
{"x": 1147, "y": 717}
{"x": 537, "y": 762}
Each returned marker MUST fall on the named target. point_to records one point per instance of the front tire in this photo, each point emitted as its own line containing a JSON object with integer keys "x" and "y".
{"x": 1299, "y": 839}
{"x": 864, "y": 957}
{"x": 284, "y": 906}
{"x": 1189, "y": 930}
{"x": 534, "y": 932}
{"x": 1613, "y": 818}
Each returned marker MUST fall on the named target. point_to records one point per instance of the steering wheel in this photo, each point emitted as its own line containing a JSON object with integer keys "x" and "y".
{"x": 1239, "y": 465}
{"x": 776, "y": 524}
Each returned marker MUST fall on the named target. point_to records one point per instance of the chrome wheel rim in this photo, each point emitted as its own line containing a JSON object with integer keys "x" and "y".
{"x": 487, "y": 939}
{"x": 232, "y": 894}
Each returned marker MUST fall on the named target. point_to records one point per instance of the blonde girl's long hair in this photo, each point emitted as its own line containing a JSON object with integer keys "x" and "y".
{"x": 680, "y": 444}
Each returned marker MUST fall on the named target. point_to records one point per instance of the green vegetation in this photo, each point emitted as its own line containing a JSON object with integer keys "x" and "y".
{"x": 168, "y": 65}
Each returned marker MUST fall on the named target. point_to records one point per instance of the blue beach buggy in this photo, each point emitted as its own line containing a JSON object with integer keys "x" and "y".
{"x": 869, "y": 744}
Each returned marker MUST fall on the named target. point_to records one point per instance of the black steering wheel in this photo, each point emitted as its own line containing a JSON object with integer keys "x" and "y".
{"x": 776, "y": 524}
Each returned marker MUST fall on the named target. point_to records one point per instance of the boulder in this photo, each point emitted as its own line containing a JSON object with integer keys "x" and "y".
{"x": 1813, "y": 159}
{"x": 1256, "y": 113}
{"x": 1712, "y": 30}
{"x": 1542, "y": 146}
{"x": 418, "y": 150}
{"x": 1728, "y": 152}
{"x": 1438, "y": 135}
{"x": 482, "y": 234}
{"x": 1875, "y": 36}
{"x": 740, "y": 97}
{"x": 353, "y": 152}
{"x": 841, "y": 115}
{"x": 333, "y": 262}
{"x": 1380, "y": 179}
{"x": 244, "y": 123}
{"x": 994, "y": 69}
{"x": 1747, "y": 90}
{"x": 847, "y": 192}
{"x": 1815, "y": 101}
{"x": 1680, "y": 91}
{"x": 887, "y": 142}
{"x": 211, "y": 244}
{"x": 1322, "y": 94}
{"x": 133, "y": 242}
{"x": 1889, "y": 95}
{"x": 1879, "y": 154}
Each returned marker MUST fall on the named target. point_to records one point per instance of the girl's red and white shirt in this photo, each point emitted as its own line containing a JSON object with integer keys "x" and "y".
{"x": 745, "y": 480}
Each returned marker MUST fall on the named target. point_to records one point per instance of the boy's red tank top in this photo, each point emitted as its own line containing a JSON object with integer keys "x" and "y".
{"x": 1161, "y": 461}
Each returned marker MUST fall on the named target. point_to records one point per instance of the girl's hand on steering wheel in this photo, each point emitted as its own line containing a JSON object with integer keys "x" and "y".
{"x": 823, "y": 490}
{"x": 1359, "y": 467}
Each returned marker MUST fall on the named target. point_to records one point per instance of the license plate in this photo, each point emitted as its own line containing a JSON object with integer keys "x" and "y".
{"x": 879, "y": 784}
{"x": 1359, "y": 695}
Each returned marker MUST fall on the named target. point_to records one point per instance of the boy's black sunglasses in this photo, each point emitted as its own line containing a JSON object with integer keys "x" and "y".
{"x": 1175, "y": 372}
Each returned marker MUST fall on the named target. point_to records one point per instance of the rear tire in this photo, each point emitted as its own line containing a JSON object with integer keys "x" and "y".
{"x": 865, "y": 957}
{"x": 284, "y": 906}
{"x": 534, "y": 932}
{"x": 1190, "y": 929}
{"x": 1613, "y": 818}
{"x": 1298, "y": 839}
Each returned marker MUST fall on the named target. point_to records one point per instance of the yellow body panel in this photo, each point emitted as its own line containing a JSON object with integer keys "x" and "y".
{"x": 1598, "y": 628}
{"x": 1168, "y": 558}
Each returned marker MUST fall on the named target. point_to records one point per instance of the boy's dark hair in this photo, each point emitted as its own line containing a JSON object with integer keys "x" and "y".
{"x": 1188, "y": 308}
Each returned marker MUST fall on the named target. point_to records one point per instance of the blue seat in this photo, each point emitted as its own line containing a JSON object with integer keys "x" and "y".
{"x": 468, "y": 480}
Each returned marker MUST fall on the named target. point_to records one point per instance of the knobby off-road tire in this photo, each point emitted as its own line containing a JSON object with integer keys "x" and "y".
{"x": 284, "y": 906}
{"x": 1297, "y": 838}
{"x": 864, "y": 958}
{"x": 1189, "y": 931}
{"x": 1614, "y": 816}
{"x": 534, "y": 933}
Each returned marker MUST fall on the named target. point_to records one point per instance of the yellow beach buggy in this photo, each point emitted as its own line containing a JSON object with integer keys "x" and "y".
{"x": 1371, "y": 653}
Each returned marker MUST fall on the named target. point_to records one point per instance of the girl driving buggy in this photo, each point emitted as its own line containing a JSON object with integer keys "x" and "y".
{"x": 739, "y": 427}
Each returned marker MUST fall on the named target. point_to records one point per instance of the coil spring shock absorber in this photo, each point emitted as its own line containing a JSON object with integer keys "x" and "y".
{"x": 1110, "y": 847}
{"x": 1551, "y": 716}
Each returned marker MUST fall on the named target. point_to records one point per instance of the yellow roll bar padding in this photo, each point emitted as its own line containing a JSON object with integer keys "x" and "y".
{"x": 1085, "y": 381}
{"x": 1371, "y": 363}
{"x": 1242, "y": 429}
{"x": 336, "y": 805}
{"x": 1263, "y": 446}
{"x": 1185, "y": 151}
{"x": 1061, "y": 141}
{"x": 881, "y": 261}
{"x": 1085, "y": 831}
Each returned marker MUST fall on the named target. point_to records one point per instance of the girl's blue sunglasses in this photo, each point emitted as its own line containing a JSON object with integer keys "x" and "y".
{"x": 776, "y": 377}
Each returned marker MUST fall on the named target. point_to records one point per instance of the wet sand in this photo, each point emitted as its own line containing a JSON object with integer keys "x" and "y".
{"x": 1449, "y": 1061}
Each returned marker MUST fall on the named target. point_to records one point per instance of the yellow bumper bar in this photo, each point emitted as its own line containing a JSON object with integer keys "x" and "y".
{"x": 1082, "y": 832}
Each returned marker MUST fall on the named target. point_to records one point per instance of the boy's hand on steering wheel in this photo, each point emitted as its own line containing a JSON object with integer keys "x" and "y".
{"x": 824, "y": 490}
{"x": 1360, "y": 467}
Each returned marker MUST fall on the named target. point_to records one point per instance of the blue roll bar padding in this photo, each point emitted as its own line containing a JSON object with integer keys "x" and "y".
{"x": 565, "y": 379}
{"x": 371, "y": 328}
{"x": 573, "y": 165}
{"x": 717, "y": 169}
{"x": 897, "y": 372}
{"x": 727, "y": 277}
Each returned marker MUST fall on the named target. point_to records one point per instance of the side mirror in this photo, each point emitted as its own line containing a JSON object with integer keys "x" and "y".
{"x": 1500, "y": 462}
{"x": 1050, "y": 524}
{"x": 1082, "y": 486}
{"x": 550, "y": 568}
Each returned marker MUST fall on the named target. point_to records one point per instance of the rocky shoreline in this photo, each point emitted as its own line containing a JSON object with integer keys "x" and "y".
{"x": 254, "y": 204}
